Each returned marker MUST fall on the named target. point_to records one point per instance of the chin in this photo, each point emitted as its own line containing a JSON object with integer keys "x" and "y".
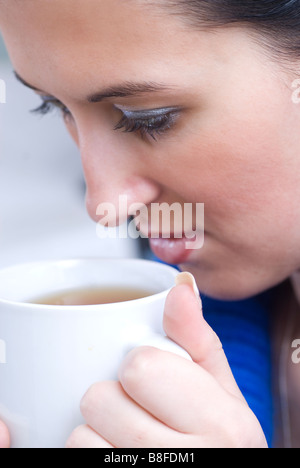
{"x": 227, "y": 287}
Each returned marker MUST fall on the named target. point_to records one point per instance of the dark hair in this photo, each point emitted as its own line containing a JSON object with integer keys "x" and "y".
{"x": 277, "y": 21}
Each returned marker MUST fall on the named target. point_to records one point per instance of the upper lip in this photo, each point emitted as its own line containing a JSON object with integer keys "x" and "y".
{"x": 151, "y": 233}
{"x": 162, "y": 235}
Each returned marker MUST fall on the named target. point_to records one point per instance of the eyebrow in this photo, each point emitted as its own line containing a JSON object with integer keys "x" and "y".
{"x": 124, "y": 90}
{"x": 128, "y": 89}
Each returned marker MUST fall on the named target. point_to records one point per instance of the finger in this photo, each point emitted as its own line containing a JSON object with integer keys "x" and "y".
{"x": 84, "y": 437}
{"x": 178, "y": 392}
{"x": 4, "y": 436}
{"x": 110, "y": 412}
{"x": 184, "y": 323}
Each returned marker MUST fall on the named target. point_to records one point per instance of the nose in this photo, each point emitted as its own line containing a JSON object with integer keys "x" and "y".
{"x": 117, "y": 198}
{"x": 116, "y": 178}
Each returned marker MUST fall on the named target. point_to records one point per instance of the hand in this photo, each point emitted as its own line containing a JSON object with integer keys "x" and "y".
{"x": 165, "y": 401}
{"x": 4, "y": 436}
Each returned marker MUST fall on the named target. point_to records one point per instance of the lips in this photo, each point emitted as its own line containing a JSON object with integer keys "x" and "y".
{"x": 172, "y": 251}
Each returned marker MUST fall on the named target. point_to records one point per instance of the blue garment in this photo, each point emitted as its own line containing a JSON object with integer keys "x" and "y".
{"x": 244, "y": 330}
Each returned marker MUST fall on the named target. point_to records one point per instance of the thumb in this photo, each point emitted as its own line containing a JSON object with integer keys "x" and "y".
{"x": 184, "y": 323}
{"x": 4, "y": 436}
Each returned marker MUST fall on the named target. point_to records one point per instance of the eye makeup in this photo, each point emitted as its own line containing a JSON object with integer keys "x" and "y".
{"x": 152, "y": 122}
{"x": 147, "y": 122}
{"x": 49, "y": 104}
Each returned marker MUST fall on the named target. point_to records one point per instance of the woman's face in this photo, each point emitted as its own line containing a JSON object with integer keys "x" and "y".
{"x": 226, "y": 130}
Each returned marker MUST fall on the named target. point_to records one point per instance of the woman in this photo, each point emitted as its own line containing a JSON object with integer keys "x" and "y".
{"x": 181, "y": 101}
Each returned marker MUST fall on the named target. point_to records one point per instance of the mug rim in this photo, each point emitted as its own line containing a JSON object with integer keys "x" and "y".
{"x": 65, "y": 308}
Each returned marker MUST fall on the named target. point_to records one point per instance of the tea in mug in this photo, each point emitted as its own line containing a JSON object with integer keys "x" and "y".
{"x": 91, "y": 296}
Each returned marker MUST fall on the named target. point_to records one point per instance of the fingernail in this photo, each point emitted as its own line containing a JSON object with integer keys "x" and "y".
{"x": 187, "y": 278}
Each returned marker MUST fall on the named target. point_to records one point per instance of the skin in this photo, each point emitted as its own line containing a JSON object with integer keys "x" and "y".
{"x": 233, "y": 147}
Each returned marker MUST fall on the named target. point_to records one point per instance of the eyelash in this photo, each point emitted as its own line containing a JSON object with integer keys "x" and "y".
{"x": 50, "y": 104}
{"x": 148, "y": 126}
{"x": 153, "y": 126}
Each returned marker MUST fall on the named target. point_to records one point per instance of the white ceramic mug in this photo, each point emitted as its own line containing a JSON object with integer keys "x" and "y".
{"x": 51, "y": 355}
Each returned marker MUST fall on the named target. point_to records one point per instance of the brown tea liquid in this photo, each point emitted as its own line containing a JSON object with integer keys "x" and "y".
{"x": 91, "y": 296}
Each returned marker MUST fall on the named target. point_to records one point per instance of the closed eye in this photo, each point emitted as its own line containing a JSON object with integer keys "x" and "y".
{"x": 49, "y": 104}
{"x": 153, "y": 123}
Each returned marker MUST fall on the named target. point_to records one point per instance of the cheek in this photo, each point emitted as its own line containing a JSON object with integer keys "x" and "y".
{"x": 238, "y": 165}
{"x": 242, "y": 152}
{"x": 223, "y": 174}
{"x": 248, "y": 178}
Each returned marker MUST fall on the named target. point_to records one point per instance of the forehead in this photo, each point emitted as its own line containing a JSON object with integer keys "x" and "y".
{"x": 68, "y": 48}
{"x": 81, "y": 36}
